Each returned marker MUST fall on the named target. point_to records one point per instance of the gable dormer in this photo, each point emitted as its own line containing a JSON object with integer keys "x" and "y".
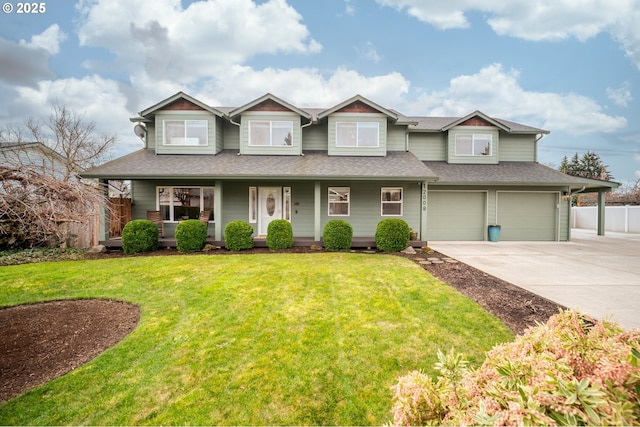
{"x": 270, "y": 126}
{"x": 357, "y": 127}
{"x": 474, "y": 139}
{"x": 181, "y": 124}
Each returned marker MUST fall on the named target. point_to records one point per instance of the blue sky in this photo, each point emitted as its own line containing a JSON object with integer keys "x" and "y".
{"x": 569, "y": 66}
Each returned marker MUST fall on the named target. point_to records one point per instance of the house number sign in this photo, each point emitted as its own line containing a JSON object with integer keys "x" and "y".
{"x": 424, "y": 198}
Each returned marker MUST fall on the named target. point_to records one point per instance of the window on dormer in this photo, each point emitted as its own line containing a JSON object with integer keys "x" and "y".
{"x": 357, "y": 134}
{"x": 185, "y": 132}
{"x": 473, "y": 144}
{"x": 270, "y": 133}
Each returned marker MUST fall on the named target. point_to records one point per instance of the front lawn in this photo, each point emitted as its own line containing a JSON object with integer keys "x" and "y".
{"x": 278, "y": 339}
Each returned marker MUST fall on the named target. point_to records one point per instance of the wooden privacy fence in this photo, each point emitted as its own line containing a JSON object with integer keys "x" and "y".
{"x": 119, "y": 215}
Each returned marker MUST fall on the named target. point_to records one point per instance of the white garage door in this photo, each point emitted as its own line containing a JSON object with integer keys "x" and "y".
{"x": 527, "y": 215}
{"x": 456, "y": 215}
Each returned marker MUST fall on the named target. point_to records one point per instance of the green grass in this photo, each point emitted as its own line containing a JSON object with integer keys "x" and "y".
{"x": 284, "y": 339}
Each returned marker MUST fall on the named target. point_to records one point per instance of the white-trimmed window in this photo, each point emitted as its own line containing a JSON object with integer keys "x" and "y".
{"x": 391, "y": 201}
{"x": 357, "y": 134}
{"x": 339, "y": 201}
{"x": 185, "y": 132}
{"x": 264, "y": 133}
{"x": 180, "y": 203}
{"x": 477, "y": 144}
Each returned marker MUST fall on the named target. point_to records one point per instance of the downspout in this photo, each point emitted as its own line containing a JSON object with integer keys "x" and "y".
{"x": 239, "y": 126}
{"x": 535, "y": 147}
{"x": 302, "y": 127}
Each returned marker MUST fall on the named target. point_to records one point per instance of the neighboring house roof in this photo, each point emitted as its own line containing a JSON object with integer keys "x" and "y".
{"x": 316, "y": 165}
{"x": 34, "y": 154}
{"x": 510, "y": 173}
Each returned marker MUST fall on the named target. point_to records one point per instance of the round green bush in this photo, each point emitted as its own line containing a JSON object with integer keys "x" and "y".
{"x": 238, "y": 235}
{"x": 392, "y": 235}
{"x": 279, "y": 234}
{"x": 337, "y": 235}
{"x": 190, "y": 235}
{"x": 139, "y": 235}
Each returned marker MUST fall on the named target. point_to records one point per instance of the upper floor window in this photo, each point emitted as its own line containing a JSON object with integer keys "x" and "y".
{"x": 473, "y": 144}
{"x": 270, "y": 133}
{"x": 339, "y": 201}
{"x": 357, "y": 134}
{"x": 185, "y": 132}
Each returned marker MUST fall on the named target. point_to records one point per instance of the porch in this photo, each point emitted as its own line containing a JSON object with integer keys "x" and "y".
{"x": 261, "y": 242}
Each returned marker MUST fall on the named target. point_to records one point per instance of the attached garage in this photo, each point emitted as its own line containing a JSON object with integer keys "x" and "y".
{"x": 527, "y": 215}
{"x": 456, "y": 215}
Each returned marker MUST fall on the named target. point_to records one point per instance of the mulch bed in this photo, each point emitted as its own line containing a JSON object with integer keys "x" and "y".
{"x": 40, "y": 342}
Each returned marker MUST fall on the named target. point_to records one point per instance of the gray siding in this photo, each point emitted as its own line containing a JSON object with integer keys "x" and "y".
{"x": 315, "y": 137}
{"x": 517, "y": 148}
{"x": 396, "y": 138}
{"x": 231, "y": 136}
{"x": 210, "y": 148}
{"x": 429, "y": 146}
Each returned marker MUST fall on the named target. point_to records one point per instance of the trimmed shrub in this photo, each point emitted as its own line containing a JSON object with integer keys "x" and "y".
{"x": 190, "y": 235}
{"x": 337, "y": 235}
{"x": 279, "y": 234}
{"x": 572, "y": 370}
{"x": 139, "y": 235}
{"x": 238, "y": 235}
{"x": 392, "y": 235}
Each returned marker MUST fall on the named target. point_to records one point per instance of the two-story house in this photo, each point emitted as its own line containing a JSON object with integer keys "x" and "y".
{"x": 448, "y": 178}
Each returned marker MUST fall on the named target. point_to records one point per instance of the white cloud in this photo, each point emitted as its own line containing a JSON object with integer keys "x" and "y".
{"x": 240, "y": 84}
{"x": 48, "y": 40}
{"x": 188, "y": 44}
{"x": 537, "y": 20}
{"x": 498, "y": 93}
{"x": 621, "y": 96}
{"x": 97, "y": 99}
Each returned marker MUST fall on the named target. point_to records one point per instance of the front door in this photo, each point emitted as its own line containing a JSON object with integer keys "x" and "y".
{"x": 269, "y": 207}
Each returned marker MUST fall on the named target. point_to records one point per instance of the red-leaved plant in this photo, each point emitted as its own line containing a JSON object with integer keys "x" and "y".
{"x": 570, "y": 371}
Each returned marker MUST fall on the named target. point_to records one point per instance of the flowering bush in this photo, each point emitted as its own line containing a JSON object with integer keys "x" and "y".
{"x": 570, "y": 371}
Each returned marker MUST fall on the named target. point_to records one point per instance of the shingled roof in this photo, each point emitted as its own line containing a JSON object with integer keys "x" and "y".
{"x": 509, "y": 173}
{"x": 314, "y": 165}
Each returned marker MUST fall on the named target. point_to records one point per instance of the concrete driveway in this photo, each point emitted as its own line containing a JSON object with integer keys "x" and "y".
{"x": 598, "y": 275}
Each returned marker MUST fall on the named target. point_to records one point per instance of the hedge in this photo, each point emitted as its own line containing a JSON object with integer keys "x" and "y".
{"x": 392, "y": 235}
{"x": 238, "y": 235}
{"x": 191, "y": 235}
{"x": 279, "y": 234}
{"x": 139, "y": 235}
{"x": 337, "y": 235}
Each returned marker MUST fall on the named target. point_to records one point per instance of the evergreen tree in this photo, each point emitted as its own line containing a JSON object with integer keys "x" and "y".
{"x": 590, "y": 165}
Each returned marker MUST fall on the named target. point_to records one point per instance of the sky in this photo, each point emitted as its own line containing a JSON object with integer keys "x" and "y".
{"x": 571, "y": 67}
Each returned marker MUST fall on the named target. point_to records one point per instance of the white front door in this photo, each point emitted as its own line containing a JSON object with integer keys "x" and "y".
{"x": 269, "y": 207}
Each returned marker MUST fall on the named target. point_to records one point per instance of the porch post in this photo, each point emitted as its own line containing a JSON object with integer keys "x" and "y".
{"x": 317, "y": 233}
{"x": 601, "y": 210}
{"x": 103, "y": 232}
{"x": 423, "y": 210}
{"x": 217, "y": 209}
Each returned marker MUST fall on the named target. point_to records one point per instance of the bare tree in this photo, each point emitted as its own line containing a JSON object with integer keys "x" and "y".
{"x": 37, "y": 209}
{"x": 73, "y": 138}
{"x": 37, "y": 203}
